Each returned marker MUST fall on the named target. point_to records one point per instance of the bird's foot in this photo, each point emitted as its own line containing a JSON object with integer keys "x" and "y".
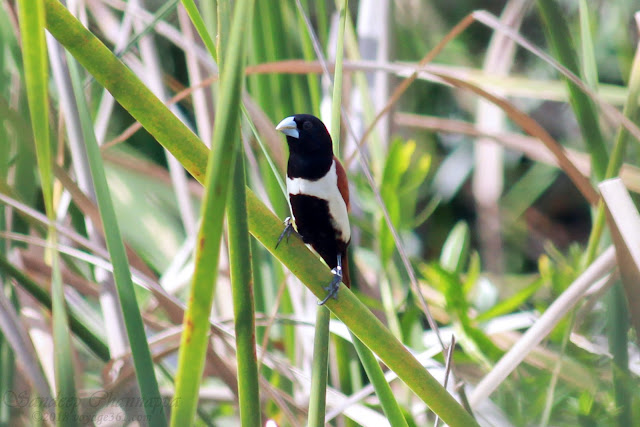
{"x": 288, "y": 230}
{"x": 334, "y": 286}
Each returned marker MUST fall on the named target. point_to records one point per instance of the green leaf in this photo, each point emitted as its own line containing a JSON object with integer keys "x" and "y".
{"x": 455, "y": 251}
{"x": 535, "y": 181}
{"x": 513, "y": 302}
{"x": 398, "y": 161}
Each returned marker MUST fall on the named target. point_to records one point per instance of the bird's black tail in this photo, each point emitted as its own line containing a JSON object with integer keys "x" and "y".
{"x": 346, "y": 279}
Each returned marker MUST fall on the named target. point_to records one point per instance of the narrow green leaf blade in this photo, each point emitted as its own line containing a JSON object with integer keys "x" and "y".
{"x": 142, "y": 361}
{"x": 32, "y": 24}
{"x": 196, "y": 321}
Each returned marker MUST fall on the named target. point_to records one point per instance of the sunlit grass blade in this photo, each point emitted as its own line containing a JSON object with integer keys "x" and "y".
{"x": 198, "y": 22}
{"x": 196, "y": 321}
{"x": 31, "y": 14}
{"x": 589, "y": 64}
{"x": 32, "y": 25}
{"x": 317, "y": 398}
{"x": 624, "y": 222}
{"x": 455, "y": 251}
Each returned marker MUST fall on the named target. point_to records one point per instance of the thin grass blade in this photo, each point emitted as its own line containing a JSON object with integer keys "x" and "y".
{"x": 243, "y": 297}
{"x": 143, "y": 363}
{"x": 586, "y": 114}
{"x": 32, "y": 25}
{"x": 196, "y": 321}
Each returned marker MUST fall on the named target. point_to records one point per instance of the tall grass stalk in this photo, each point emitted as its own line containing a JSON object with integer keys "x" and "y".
{"x": 32, "y": 25}
{"x": 243, "y": 297}
{"x": 195, "y": 337}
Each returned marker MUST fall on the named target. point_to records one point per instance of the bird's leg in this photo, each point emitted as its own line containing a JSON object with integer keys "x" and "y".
{"x": 334, "y": 286}
{"x": 288, "y": 229}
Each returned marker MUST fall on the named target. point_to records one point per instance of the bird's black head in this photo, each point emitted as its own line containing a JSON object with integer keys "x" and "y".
{"x": 306, "y": 135}
{"x": 310, "y": 146}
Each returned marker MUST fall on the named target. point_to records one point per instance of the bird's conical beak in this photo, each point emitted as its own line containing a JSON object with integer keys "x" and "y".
{"x": 289, "y": 127}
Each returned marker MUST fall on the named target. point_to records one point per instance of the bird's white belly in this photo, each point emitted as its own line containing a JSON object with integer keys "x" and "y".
{"x": 325, "y": 188}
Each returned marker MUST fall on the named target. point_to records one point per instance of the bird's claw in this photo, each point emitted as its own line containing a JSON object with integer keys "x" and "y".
{"x": 334, "y": 286}
{"x": 288, "y": 229}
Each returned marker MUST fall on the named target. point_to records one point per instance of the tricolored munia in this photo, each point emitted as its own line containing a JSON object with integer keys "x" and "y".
{"x": 318, "y": 195}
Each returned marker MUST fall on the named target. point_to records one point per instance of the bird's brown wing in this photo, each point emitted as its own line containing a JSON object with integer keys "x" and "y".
{"x": 343, "y": 184}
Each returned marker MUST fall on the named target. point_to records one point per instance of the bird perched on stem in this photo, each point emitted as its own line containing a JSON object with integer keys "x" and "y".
{"x": 318, "y": 195}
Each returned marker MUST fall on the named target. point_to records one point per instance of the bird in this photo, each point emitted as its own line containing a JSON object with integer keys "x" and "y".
{"x": 318, "y": 195}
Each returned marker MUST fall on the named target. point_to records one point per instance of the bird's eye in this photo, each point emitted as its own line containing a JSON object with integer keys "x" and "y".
{"x": 307, "y": 125}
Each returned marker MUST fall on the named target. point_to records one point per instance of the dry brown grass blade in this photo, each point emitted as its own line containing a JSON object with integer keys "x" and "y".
{"x": 609, "y": 111}
{"x": 534, "y": 129}
{"x": 529, "y": 146}
{"x": 402, "y": 87}
{"x": 624, "y": 223}
{"x": 172, "y": 305}
{"x": 34, "y": 265}
{"x": 494, "y": 23}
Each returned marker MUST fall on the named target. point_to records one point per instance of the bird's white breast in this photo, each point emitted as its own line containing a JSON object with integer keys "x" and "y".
{"x": 325, "y": 188}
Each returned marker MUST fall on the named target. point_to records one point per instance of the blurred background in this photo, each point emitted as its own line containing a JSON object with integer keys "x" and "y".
{"x": 487, "y": 222}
